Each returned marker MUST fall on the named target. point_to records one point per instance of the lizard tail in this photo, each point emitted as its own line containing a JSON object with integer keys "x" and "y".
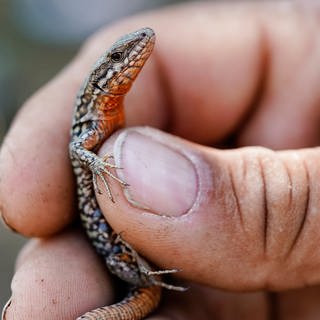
{"x": 136, "y": 306}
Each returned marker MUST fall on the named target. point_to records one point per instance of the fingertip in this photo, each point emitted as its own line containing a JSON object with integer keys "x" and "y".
{"x": 58, "y": 278}
{"x": 169, "y": 182}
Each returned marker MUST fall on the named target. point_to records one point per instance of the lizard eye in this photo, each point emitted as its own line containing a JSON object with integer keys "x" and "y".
{"x": 116, "y": 56}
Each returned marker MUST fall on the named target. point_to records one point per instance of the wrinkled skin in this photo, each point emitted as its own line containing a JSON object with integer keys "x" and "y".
{"x": 231, "y": 75}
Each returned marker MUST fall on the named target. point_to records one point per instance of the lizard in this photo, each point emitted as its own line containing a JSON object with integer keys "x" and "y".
{"x": 99, "y": 112}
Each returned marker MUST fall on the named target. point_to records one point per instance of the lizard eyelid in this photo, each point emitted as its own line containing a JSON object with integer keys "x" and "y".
{"x": 117, "y": 56}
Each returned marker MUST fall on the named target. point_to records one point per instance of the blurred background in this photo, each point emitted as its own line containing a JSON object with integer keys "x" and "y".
{"x": 37, "y": 38}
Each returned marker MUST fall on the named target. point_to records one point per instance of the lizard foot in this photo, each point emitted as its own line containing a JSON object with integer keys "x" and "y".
{"x": 101, "y": 166}
{"x": 144, "y": 268}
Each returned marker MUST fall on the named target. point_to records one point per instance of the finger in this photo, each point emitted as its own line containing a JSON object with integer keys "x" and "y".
{"x": 58, "y": 278}
{"x": 201, "y": 80}
{"x": 36, "y": 187}
{"x": 209, "y": 82}
{"x": 289, "y": 98}
{"x": 204, "y": 303}
{"x": 298, "y": 304}
{"x": 238, "y": 219}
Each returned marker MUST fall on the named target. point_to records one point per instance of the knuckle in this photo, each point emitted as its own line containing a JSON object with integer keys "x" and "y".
{"x": 276, "y": 198}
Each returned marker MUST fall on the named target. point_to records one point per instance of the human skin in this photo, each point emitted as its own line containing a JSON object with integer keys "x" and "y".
{"x": 241, "y": 220}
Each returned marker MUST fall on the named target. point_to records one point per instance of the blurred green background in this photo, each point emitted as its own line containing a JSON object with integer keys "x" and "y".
{"x": 37, "y": 38}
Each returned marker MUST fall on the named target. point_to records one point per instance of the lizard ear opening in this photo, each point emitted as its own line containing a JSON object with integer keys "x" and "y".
{"x": 95, "y": 85}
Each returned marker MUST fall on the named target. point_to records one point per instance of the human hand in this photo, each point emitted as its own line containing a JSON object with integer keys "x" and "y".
{"x": 243, "y": 219}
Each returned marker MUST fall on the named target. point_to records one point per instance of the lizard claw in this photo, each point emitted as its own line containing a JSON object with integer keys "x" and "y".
{"x": 106, "y": 158}
{"x": 99, "y": 167}
{"x": 95, "y": 184}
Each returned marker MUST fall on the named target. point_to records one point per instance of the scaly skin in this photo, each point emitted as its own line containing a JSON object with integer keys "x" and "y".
{"x": 99, "y": 113}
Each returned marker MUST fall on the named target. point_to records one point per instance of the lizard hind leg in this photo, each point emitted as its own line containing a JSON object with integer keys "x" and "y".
{"x": 153, "y": 277}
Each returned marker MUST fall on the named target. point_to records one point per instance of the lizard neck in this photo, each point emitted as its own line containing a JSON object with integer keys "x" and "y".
{"x": 111, "y": 112}
{"x": 109, "y": 103}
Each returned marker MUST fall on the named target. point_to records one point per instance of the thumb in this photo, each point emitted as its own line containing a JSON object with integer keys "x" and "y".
{"x": 237, "y": 219}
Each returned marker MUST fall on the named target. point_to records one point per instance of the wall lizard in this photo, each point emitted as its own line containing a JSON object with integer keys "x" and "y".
{"x": 98, "y": 113}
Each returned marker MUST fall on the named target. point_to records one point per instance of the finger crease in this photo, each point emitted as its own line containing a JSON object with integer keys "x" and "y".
{"x": 305, "y": 211}
{"x": 264, "y": 206}
{"x": 235, "y": 196}
{"x": 290, "y": 184}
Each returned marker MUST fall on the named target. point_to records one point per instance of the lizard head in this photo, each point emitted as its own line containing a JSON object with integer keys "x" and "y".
{"x": 116, "y": 70}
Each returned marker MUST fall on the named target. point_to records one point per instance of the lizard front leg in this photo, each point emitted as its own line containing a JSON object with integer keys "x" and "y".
{"x": 80, "y": 151}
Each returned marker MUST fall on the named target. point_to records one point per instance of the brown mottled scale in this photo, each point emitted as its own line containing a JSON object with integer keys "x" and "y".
{"x": 98, "y": 113}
